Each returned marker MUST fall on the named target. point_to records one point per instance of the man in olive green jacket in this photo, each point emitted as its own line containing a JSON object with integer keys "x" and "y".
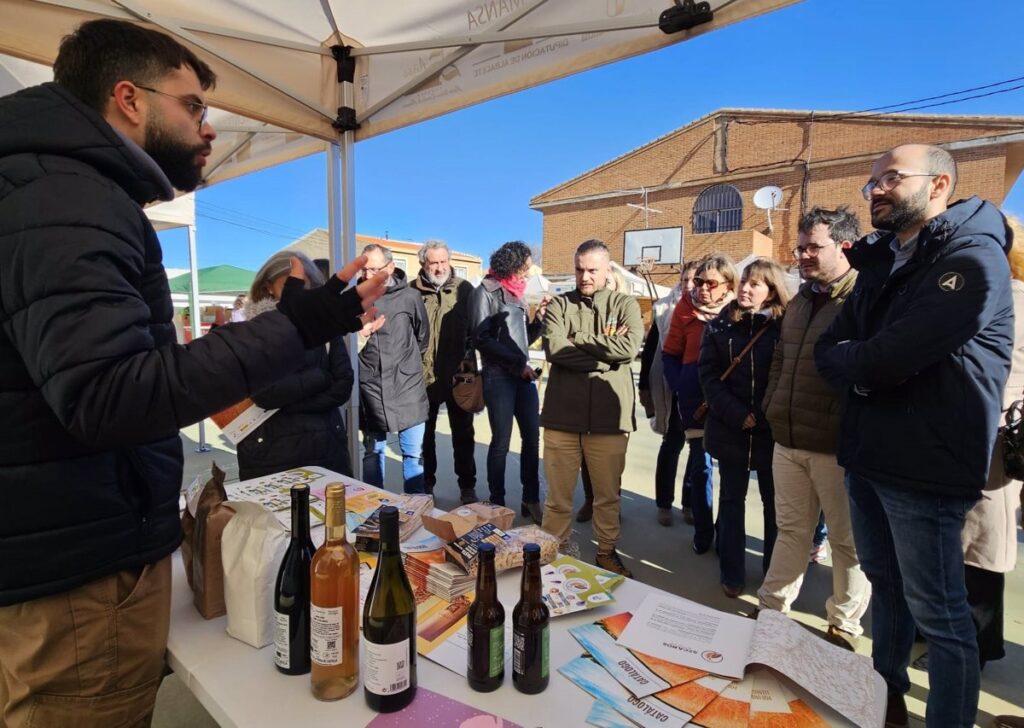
{"x": 591, "y": 337}
{"x": 803, "y": 412}
{"x": 446, "y": 298}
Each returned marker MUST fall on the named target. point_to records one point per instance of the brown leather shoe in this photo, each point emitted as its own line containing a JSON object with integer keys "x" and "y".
{"x": 611, "y": 561}
{"x": 534, "y": 511}
{"x": 586, "y": 511}
{"x": 665, "y": 516}
{"x": 731, "y": 591}
{"x": 841, "y": 638}
{"x": 896, "y": 711}
{"x": 688, "y": 515}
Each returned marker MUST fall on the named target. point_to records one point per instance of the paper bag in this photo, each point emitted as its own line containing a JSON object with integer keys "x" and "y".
{"x": 203, "y": 540}
{"x": 464, "y": 519}
{"x": 252, "y": 548}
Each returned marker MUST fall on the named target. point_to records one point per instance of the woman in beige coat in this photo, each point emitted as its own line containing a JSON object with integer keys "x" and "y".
{"x": 990, "y": 532}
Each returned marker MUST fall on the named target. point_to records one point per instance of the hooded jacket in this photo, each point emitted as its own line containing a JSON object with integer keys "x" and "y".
{"x": 392, "y": 391}
{"x": 447, "y": 309}
{"x": 93, "y": 387}
{"x": 921, "y": 355}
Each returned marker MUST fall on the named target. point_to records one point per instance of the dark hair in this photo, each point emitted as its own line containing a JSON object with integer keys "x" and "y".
{"x": 324, "y": 266}
{"x": 841, "y": 223}
{"x": 510, "y": 258}
{"x": 101, "y": 53}
{"x": 591, "y": 246}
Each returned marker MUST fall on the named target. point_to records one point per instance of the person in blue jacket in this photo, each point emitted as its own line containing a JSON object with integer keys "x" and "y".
{"x": 921, "y": 352}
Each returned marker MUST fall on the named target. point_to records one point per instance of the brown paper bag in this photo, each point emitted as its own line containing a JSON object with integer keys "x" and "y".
{"x": 200, "y": 549}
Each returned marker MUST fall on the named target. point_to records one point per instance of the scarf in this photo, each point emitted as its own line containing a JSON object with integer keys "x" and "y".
{"x": 515, "y": 286}
{"x": 710, "y": 311}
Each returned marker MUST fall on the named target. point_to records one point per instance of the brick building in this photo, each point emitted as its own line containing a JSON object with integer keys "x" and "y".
{"x": 316, "y": 244}
{"x": 703, "y": 177}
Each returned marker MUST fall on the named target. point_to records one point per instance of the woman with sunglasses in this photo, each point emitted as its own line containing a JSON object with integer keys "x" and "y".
{"x": 713, "y": 281}
{"x": 736, "y": 432}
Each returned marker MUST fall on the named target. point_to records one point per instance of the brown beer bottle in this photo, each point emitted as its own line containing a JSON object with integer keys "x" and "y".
{"x": 530, "y": 636}
{"x": 485, "y": 628}
{"x": 334, "y": 607}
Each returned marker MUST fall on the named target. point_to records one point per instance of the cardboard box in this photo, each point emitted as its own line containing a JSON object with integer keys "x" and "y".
{"x": 464, "y": 519}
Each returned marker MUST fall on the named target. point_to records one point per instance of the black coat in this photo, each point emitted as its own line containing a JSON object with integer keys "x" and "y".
{"x": 501, "y": 328}
{"x": 742, "y": 392}
{"x": 921, "y": 356}
{"x": 392, "y": 391}
{"x": 307, "y": 428}
{"x": 93, "y": 388}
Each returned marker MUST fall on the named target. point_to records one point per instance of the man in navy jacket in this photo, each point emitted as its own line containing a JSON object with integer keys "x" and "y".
{"x": 921, "y": 352}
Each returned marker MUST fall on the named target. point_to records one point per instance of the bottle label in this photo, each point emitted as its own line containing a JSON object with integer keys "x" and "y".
{"x": 544, "y": 654}
{"x": 387, "y": 667}
{"x": 497, "y": 651}
{"x": 282, "y": 653}
{"x": 325, "y": 635}
{"x": 519, "y": 651}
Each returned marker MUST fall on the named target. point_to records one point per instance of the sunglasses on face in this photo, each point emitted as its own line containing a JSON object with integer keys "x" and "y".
{"x": 706, "y": 283}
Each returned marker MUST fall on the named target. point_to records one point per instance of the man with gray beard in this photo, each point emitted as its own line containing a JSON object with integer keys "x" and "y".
{"x": 446, "y": 298}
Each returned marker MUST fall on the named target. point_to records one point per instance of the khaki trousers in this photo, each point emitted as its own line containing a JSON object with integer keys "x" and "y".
{"x": 89, "y": 657}
{"x": 807, "y": 483}
{"x": 606, "y": 459}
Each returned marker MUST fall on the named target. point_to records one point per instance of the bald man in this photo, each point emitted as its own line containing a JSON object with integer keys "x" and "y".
{"x": 921, "y": 352}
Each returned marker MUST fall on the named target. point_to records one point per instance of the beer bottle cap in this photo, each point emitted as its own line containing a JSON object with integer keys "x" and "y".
{"x": 531, "y": 548}
{"x": 486, "y": 549}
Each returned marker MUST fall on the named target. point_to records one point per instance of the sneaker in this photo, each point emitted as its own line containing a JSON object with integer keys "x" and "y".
{"x": 688, "y": 515}
{"x": 665, "y": 516}
{"x": 610, "y": 561}
{"x": 570, "y": 548}
{"x": 818, "y": 552}
{"x": 467, "y": 496}
{"x": 699, "y": 551}
{"x": 841, "y": 638}
{"x": 896, "y": 710}
{"x": 586, "y": 511}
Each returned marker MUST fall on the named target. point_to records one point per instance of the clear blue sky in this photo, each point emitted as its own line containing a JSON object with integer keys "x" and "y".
{"x": 467, "y": 177}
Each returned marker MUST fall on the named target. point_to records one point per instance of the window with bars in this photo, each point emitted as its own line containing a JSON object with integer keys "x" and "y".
{"x": 718, "y": 209}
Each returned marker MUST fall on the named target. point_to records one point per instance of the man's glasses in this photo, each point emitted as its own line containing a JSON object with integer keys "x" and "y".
{"x": 706, "y": 283}
{"x": 198, "y": 110}
{"x": 810, "y": 251}
{"x": 372, "y": 271}
{"x": 889, "y": 180}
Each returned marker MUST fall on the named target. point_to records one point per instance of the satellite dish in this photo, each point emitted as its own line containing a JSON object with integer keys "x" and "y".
{"x": 768, "y": 198}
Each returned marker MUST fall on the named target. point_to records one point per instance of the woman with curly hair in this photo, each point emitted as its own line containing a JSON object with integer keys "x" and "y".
{"x": 502, "y": 331}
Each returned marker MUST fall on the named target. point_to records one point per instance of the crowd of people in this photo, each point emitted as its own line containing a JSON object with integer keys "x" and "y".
{"x": 867, "y": 401}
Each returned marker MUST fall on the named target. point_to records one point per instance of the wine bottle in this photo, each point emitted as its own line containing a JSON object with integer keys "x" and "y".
{"x": 334, "y": 607}
{"x": 485, "y": 628}
{"x": 389, "y": 626}
{"x": 291, "y": 592}
{"x": 530, "y": 636}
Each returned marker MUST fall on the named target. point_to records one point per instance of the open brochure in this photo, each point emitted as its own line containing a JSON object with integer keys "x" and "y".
{"x": 274, "y": 491}
{"x": 679, "y": 630}
{"x": 571, "y": 585}
{"x": 238, "y": 422}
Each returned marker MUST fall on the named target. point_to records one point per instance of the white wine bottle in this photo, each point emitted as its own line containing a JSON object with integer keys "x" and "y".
{"x": 389, "y": 626}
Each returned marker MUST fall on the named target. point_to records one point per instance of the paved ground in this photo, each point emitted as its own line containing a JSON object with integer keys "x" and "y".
{"x": 657, "y": 555}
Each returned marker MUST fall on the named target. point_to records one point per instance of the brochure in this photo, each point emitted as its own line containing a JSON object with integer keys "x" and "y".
{"x": 682, "y": 631}
{"x": 573, "y": 586}
{"x": 731, "y": 709}
{"x": 603, "y": 715}
{"x": 439, "y": 711}
{"x": 238, "y": 422}
{"x": 274, "y": 491}
{"x": 641, "y": 674}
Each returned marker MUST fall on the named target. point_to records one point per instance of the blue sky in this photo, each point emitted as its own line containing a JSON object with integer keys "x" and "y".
{"x": 467, "y": 177}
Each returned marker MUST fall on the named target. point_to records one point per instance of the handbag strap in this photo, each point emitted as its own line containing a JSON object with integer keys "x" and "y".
{"x": 739, "y": 357}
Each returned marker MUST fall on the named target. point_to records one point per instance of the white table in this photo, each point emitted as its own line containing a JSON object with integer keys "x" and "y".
{"x": 240, "y": 686}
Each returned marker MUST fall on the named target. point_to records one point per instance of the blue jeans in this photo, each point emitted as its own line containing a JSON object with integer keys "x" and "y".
{"x": 820, "y": 531}
{"x": 734, "y": 480}
{"x": 509, "y": 397}
{"x": 668, "y": 461}
{"x": 410, "y": 442}
{"x": 918, "y": 579}
{"x": 698, "y": 472}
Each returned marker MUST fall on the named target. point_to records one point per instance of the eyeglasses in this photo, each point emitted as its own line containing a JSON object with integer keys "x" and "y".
{"x": 198, "y": 110}
{"x": 889, "y": 180}
{"x": 811, "y": 251}
{"x": 373, "y": 271}
{"x": 705, "y": 283}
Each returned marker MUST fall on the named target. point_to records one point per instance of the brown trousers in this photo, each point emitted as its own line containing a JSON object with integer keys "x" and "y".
{"x": 605, "y": 455}
{"x": 89, "y": 657}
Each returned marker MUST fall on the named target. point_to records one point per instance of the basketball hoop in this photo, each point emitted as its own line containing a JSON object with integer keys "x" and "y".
{"x": 645, "y": 265}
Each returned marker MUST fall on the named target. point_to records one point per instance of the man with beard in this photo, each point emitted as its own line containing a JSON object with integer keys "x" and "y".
{"x": 93, "y": 385}
{"x": 392, "y": 392}
{"x": 446, "y": 298}
{"x": 803, "y": 412}
{"x": 920, "y": 352}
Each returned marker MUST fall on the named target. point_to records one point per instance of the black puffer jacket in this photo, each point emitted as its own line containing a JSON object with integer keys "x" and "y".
{"x": 392, "y": 391}
{"x": 307, "y": 428}
{"x": 93, "y": 389}
{"x": 741, "y": 394}
{"x": 500, "y": 326}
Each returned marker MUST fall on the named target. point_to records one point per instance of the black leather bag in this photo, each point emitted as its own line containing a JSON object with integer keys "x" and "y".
{"x": 1011, "y": 439}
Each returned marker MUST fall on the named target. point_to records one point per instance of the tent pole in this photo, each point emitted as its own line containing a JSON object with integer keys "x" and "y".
{"x": 195, "y": 317}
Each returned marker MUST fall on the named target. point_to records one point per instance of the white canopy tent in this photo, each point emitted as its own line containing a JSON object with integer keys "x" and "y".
{"x": 342, "y": 70}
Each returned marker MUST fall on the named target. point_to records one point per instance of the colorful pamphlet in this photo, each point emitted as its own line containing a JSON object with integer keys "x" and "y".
{"x": 573, "y": 586}
{"x": 238, "y": 422}
{"x": 433, "y": 709}
{"x": 274, "y": 491}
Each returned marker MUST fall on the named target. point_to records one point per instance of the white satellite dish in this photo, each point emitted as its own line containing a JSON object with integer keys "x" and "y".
{"x": 768, "y": 198}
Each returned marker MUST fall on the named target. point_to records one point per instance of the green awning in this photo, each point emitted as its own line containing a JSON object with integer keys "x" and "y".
{"x": 215, "y": 279}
